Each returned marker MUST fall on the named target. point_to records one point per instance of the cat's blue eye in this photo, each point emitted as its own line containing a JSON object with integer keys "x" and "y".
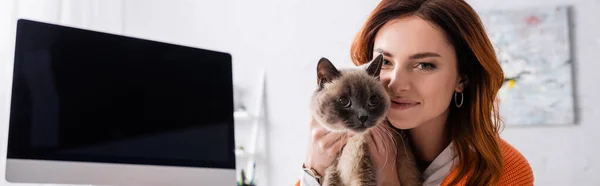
{"x": 426, "y": 66}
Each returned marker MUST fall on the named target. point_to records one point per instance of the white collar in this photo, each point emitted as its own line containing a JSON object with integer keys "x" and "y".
{"x": 437, "y": 171}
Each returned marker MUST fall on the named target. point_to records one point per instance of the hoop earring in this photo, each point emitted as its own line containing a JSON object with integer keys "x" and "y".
{"x": 462, "y": 98}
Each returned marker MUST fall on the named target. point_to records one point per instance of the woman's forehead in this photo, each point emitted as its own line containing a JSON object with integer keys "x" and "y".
{"x": 411, "y": 35}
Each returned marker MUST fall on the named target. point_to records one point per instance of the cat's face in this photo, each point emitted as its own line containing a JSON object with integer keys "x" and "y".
{"x": 351, "y": 99}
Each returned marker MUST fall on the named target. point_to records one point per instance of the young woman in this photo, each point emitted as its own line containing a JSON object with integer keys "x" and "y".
{"x": 442, "y": 74}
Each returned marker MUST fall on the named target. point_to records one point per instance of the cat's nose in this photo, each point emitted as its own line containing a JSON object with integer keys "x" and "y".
{"x": 363, "y": 119}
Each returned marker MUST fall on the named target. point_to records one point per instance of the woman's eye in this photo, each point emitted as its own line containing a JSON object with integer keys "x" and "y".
{"x": 387, "y": 62}
{"x": 426, "y": 65}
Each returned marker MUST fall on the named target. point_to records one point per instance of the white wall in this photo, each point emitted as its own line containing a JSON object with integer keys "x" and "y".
{"x": 288, "y": 37}
{"x": 103, "y": 15}
{"x": 6, "y": 36}
{"x": 566, "y": 155}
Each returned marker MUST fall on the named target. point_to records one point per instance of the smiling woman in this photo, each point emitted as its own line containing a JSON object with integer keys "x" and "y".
{"x": 420, "y": 71}
{"x": 442, "y": 76}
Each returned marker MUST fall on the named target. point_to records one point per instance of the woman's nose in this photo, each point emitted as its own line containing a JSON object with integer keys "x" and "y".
{"x": 398, "y": 81}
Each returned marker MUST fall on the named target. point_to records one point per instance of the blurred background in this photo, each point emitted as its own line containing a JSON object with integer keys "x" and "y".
{"x": 549, "y": 49}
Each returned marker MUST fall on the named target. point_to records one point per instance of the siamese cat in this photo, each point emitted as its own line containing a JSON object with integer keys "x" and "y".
{"x": 355, "y": 100}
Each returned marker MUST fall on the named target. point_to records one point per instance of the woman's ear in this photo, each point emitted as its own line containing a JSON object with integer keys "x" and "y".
{"x": 463, "y": 81}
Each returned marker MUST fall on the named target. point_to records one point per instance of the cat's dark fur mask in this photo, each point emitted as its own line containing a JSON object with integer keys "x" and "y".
{"x": 349, "y": 99}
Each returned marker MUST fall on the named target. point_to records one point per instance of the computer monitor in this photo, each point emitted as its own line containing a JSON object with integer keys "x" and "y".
{"x": 102, "y": 109}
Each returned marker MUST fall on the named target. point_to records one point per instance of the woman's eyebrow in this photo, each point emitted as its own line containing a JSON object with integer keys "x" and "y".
{"x": 385, "y": 53}
{"x": 424, "y": 55}
{"x": 414, "y": 56}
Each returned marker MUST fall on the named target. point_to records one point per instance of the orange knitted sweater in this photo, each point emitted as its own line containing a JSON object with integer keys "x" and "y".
{"x": 516, "y": 171}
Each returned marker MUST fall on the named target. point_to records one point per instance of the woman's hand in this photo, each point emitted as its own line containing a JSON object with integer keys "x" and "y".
{"x": 323, "y": 147}
{"x": 383, "y": 154}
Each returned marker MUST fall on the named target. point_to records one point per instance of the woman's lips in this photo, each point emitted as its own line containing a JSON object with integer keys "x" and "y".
{"x": 401, "y": 104}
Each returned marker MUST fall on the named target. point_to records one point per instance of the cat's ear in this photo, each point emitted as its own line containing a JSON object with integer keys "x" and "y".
{"x": 326, "y": 72}
{"x": 375, "y": 67}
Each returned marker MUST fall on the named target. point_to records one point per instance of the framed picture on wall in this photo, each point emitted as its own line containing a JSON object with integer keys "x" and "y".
{"x": 533, "y": 46}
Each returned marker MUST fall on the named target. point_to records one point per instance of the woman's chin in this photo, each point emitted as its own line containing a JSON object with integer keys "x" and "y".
{"x": 403, "y": 123}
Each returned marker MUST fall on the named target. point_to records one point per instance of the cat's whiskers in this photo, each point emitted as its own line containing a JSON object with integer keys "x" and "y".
{"x": 400, "y": 134}
{"x": 386, "y": 157}
{"x": 389, "y": 128}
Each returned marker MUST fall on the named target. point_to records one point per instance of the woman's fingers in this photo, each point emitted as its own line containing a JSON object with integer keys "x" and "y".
{"x": 330, "y": 139}
{"x": 337, "y": 145}
{"x": 317, "y": 133}
{"x": 376, "y": 140}
{"x": 323, "y": 146}
{"x": 327, "y": 141}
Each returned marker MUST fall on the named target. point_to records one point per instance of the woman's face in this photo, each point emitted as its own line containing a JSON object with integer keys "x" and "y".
{"x": 420, "y": 71}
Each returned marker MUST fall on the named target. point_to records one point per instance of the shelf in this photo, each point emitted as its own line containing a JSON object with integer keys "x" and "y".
{"x": 246, "y": 153}
{"x": 242, "y": 115}
{"x": 242, "y": 154}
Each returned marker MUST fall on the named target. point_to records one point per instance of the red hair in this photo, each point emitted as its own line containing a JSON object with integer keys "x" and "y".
{"x": 475, "y": 126}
